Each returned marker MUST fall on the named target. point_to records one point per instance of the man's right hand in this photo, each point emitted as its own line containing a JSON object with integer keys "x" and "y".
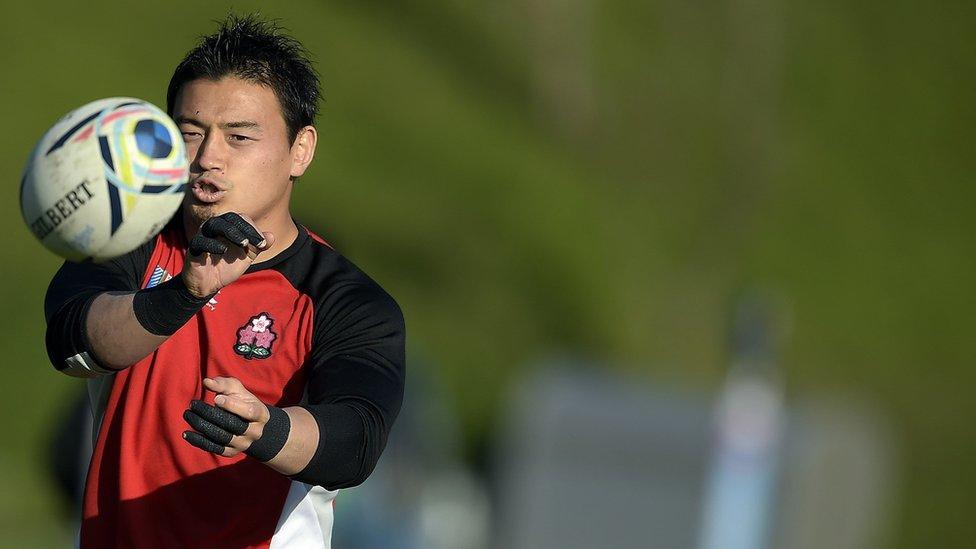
{"x": 219, "y": 254}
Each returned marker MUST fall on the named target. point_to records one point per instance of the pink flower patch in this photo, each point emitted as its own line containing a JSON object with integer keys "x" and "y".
{"x": 260, "y": 323}
{"x": 255, "y": 337}
{"x": 264, "y": 339}
{"x": 246, "y": 335}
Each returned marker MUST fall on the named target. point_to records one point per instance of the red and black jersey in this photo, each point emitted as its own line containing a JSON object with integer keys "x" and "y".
{"x": 306, "y": 327}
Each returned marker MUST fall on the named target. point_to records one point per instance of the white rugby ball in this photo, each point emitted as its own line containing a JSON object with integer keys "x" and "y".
{"x": 104, "y": 179}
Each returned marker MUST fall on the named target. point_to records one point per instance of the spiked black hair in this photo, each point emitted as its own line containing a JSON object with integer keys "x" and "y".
{"x": 256, "y": 51}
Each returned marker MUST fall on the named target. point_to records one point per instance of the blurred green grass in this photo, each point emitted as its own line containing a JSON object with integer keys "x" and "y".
{"x": 841, "y": 178}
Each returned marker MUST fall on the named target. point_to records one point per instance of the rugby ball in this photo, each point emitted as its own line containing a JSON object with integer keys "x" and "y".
{"x": 104, "y": 179}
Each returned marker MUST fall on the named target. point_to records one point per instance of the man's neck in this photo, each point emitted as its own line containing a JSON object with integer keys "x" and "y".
{"x": 285, "y": 232}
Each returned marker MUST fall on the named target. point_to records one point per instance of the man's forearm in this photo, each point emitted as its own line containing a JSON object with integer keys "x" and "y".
{"x": 123, "y": 328}
{"x": 303, "y": 440}
{"x": 115, "y": 334}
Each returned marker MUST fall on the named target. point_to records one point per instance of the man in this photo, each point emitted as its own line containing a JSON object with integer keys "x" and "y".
{"x": 242, "y": 369}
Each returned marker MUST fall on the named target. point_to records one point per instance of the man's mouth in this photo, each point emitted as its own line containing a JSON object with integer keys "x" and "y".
{"x": 206, "y": 191}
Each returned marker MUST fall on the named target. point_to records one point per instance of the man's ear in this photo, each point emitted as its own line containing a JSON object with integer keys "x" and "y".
{"x": 302, "y": 150}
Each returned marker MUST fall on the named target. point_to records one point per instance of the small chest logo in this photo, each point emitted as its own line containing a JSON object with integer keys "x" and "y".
{"x": 254, "y": 338}
{"x": 159, "y": 275}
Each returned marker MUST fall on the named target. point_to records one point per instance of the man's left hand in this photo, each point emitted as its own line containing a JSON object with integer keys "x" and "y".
{"x": 230, "y": 427}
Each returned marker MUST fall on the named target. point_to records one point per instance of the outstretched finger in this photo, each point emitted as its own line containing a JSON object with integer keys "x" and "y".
{"x": 229, "y": 421}
{"x": 247, "y": 229}
{"x": 221, "y": 226}
{"x": 200, "y": 244}
{"x": 203, "y": 443}
{"x": 207, "y": 429}
{"x": 249, "y": 409}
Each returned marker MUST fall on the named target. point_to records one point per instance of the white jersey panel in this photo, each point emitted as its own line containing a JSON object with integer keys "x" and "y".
{"x": 306, "y": 518}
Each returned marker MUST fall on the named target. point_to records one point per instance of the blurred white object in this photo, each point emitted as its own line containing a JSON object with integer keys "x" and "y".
{"x": 589, "y": 460}
{"x": 739, "y": 496}
{"x": 739, "y": 499}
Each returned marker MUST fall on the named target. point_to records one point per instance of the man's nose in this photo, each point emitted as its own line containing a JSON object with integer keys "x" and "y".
{"x": 212, "y": 153}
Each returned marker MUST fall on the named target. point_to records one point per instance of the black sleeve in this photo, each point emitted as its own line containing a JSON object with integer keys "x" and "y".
{"x": 70, "y": 295}
{"x": 355, "y": 386}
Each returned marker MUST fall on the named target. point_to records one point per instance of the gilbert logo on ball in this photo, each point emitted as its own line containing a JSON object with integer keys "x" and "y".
{"x": 104, "y": 179}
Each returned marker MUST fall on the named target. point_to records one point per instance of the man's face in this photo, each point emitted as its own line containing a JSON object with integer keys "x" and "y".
{"x": 241, "y": 159}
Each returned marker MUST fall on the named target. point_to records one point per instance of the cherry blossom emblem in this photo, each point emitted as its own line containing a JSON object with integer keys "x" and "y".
{"x": 254, "y": 338}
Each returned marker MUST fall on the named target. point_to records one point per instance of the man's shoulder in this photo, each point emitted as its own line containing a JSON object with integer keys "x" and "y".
{"x": 340, "y": 292}
{"x": 317, "y": 268}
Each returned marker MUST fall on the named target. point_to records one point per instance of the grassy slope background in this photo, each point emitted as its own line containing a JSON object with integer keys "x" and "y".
{"x": 840, "y": 173}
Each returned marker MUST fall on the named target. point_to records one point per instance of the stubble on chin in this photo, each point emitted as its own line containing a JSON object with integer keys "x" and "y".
{"x": 194, "y": 214}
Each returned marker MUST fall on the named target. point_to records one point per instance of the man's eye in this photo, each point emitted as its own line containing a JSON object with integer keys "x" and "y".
{"x": 190, "y": 135}
{"x": 237, "y": 137}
